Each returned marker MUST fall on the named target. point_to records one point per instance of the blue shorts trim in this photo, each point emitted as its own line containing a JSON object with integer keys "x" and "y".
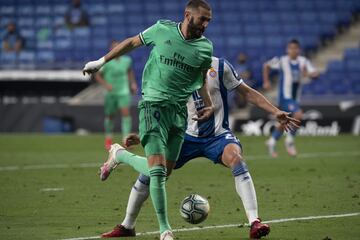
{"x": 289, "y": 105}
{"x": 210, "y": 148}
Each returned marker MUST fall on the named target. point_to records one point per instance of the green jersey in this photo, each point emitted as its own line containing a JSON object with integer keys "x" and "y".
{"x": 115, "y": 73}
{"x": 175, "y": 65}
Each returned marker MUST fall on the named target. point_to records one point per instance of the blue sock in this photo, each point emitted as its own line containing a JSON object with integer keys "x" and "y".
{"x": 239, "y": 169}
{"x": 144, "y": 179}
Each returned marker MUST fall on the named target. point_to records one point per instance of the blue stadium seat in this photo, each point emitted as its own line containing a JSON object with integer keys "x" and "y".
{"x": 336, "y": 66}
{"x": 45, "y": 57}
{"x": 25, "y": 22}
{"x": 116, "y": 8}
{"x": 48, "y": 44}
{"x": 7, "y": 10}
{"x": 25, "y": 10}
{"x": 26, "y": 58}
{"x": 99, "y": 21}
{"x": 60, "y": 9}
{"x": 43, "y": 10}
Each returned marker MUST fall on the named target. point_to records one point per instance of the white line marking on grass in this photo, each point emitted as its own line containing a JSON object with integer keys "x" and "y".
{"x": 235, "y": 225}
{"x": 251, "y": 157}
{"x": 51, "y": 189}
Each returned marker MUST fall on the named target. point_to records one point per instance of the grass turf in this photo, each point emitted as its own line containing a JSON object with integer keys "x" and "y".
{"x": 323, "y": 180}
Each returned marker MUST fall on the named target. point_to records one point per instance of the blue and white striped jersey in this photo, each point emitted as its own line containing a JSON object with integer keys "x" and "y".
{"x": 291, "y": 75}
{"x": 221, "y": 78}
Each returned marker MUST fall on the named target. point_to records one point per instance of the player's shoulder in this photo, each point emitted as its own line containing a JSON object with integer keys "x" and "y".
{"x": 166, "y": 23}
{"x": 303, "y": 58}
{"x": 206, "y": 41}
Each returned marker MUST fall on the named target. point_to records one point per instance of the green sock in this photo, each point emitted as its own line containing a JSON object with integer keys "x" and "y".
{"x": 139, "y": 163}
{"x": 109, "y": 126}
{"x": 158, "y": 195}
{"x": 125, "y": 126}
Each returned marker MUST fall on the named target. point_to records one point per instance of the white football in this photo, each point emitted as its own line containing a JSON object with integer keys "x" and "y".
{"x": 194, "y": 209}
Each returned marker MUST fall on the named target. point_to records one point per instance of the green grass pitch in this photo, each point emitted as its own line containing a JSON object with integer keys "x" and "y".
{"x": 323, "y": 180}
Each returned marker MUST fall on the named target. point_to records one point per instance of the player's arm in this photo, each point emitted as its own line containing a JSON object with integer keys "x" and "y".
{"x": 274, "y": 63}
{"x": 100, "y": 79}
{"x": 132, "y": 81}
{"x": 208, "y": 110}
{"x": 266, "y": 77}
{"x": 309, "y": 71}
{"x": 122, "y": 48}
{"x": 256, "y": 98}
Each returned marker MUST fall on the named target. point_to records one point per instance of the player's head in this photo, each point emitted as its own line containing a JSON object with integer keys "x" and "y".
{"x": 11, "y": 27}
{"x": 76, "y": 3}
{"x": 197, "y": 17}
{"x": 242, "y": 58}
{"x": 293, "y": 48}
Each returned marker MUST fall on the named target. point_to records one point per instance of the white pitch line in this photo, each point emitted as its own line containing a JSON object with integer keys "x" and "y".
{"x": 51, "y": 189}
{"x": 251, "y": 157}
{"x": 235, "y": 225}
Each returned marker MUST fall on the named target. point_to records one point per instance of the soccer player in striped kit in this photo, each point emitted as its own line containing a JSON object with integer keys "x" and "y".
{"x": 293, "y": 70}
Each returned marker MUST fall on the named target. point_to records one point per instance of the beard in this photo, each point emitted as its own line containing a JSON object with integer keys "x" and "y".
{"x": 194, "y": 30}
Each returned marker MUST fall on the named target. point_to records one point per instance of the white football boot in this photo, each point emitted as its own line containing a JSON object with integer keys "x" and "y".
{"x": 111, "y": 163}
{"x": 167, "y": 235}
{"x": 271, "y": 144}
{"x": 290, "y": 146}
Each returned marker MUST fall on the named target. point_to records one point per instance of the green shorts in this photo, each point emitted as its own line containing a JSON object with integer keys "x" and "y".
{"x": 162, "y": 128}
{"x": 113, "y": 103}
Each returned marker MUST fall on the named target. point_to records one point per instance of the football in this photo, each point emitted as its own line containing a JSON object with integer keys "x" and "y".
{"x": 194, "y": 209}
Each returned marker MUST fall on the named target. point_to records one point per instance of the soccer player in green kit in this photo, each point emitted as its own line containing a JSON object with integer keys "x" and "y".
{"x": 118, "y": 78}
{"x": 176, "y": 67}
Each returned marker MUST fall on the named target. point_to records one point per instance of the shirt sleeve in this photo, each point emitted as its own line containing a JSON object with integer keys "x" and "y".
{"x": 231, "y": 77}
{"x": 309, "y": 67}
{"x": 148, "y": 36}
{"x": 274, "y": 63}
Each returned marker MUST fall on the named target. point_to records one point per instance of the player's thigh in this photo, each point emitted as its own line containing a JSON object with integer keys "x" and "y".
{"x": 214, "y": 149}
{"x": 298, "y": 115}
{"x": 123, "y": 103}
{"x": 177, "y": 124}
{"x": 290, "y": 105}
{"x": 189, "y": 150}
{"x": 110, "y": 105}
{"x": 153, "y": 135}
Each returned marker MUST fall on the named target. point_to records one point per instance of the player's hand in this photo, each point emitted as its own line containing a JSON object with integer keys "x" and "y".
{"x": 133, "y": 88}
{"x": 109, "y": 87}
{"x": 93, "y": 66}
{"x": 287, "y": 122}
{"x": 131, "y": 140}
{"x": 267, "y": 85}
{"x": 204, "y": 114}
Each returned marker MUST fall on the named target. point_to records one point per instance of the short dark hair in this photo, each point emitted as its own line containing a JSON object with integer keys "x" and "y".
{"x": 195, "y": 4}
{"x": 294, "y": 41}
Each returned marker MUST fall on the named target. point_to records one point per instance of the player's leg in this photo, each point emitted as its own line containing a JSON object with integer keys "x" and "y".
{"x": 140, "y": 191}
{"x": 124, "y": 105}
{"x": 109, "y": 110}
{"x": 232, "y": 158}
{"x": 290, "y": 136}
{"x": 287, "y": 105}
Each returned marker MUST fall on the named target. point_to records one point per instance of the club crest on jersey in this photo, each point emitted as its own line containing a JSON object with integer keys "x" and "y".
{"x": 212, "y": 72}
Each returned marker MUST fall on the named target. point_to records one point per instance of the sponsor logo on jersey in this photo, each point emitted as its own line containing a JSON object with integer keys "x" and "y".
{"x": 168, "y": 42}
{"x": 212, "y": 72}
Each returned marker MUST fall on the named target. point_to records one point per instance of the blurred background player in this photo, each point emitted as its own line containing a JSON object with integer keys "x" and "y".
{"x": 172, "y": 73}
{"x": 12, "y": 41}
{"x": 214, "y": 140}
{"x": 76, "y": 16}
{"x": 118, "y": 78}
{"x": 294, "y": 70}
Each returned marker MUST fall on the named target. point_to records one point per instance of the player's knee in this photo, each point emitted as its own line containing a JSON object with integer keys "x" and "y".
{"x": 232, "y": 159}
